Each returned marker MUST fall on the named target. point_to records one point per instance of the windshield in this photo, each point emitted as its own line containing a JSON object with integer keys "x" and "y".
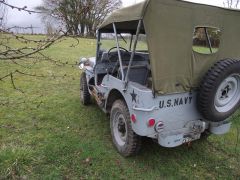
{"x": 108, "y": 41}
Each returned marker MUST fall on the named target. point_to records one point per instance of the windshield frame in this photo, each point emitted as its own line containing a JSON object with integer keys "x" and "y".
{"x": 132, "y": 48}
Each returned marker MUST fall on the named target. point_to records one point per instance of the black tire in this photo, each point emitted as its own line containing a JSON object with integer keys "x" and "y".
{"x": 85, "y": 96}
{"x": 132, "y": 143}
{"x": 211, "y": 91}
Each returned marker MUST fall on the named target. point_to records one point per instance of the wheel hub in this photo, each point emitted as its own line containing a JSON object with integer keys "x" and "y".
{"x": 120, "y": 129}
{"x": 228, "y": 93}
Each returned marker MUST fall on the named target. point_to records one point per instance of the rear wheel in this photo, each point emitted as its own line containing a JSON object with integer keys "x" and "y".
{"x": 124, "y": 138}
{"x": 85, "y": 96}
{"x": 219, "y": 95}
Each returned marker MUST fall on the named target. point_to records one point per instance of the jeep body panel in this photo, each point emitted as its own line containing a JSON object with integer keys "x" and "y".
{"x": 160, "y": 87}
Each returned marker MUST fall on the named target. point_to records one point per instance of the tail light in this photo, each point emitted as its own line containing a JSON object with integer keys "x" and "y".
{"x": 151, "y": 122}
{"x": 133, "y": 118}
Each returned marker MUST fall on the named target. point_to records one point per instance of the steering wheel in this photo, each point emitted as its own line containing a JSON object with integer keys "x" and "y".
{"x": 109, "y": 51}
{"x": 110, "y": 56}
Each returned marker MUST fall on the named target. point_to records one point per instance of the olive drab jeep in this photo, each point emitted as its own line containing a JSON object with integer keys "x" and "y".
{"x": 171, "y": 72}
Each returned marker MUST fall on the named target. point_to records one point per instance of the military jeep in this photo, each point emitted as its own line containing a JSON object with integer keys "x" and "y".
{"x": 186, "y": 82}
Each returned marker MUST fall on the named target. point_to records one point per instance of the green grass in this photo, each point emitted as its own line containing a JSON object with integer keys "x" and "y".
{"x": 204, "y": 50}
{"x": 52, "y": 136}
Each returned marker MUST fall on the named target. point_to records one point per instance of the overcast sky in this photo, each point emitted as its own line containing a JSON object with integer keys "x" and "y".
{"x": 24, "y": 19}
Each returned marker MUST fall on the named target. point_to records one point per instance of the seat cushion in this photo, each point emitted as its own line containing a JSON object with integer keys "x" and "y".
{"x": 138, "y": 74}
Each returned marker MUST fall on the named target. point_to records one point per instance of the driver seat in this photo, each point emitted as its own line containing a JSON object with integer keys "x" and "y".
{"x": 105, "y": 57}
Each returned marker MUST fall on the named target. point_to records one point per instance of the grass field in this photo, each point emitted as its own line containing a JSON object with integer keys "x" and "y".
{"x": 45, "y": 133}
{"x": 204, "y": 50}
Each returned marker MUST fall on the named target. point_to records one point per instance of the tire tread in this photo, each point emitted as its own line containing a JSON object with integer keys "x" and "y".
{"x": 84, "y": 87}
{"x": 134, "y": 141}
{"x": 209, "y": 83}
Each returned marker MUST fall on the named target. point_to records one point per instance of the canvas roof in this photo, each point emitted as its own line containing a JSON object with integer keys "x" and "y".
{"x": 169, "y": 26}
{"x": 129, "y": 16}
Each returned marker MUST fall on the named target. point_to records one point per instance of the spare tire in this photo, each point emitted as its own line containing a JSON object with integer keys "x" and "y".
{"x": 219, "y": 93}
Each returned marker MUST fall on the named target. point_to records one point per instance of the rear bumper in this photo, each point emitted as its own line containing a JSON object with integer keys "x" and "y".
{"x": 191, "y": 133}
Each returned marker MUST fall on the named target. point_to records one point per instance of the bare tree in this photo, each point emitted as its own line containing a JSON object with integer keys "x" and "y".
{"x": 78, "y": 16}
{"x": 3, "y": 15}
{"x": 98, "y": 12}
{"x": 28, "y": 49}
{"x": 50, "y": 29}
{"x": 7, "y": 52}
{"x": 231, "y": 3}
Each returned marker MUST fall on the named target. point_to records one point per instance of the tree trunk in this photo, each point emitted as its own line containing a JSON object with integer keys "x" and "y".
{"x": 91, "y": 31}
{"x": 82, "y": 29}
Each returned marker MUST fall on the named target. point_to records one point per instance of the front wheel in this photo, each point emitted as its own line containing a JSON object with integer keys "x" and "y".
{"x": 124, "y": 138}
{"x": 85, "y": 96}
